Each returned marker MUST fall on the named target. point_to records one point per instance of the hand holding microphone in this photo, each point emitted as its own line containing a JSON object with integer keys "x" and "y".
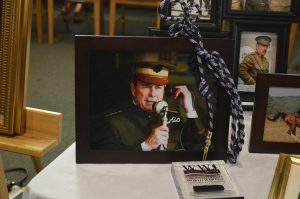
{"x": 158, "y": 138}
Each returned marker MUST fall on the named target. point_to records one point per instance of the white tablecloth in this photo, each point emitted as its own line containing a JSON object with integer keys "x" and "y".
{"x": 64, "y": 179}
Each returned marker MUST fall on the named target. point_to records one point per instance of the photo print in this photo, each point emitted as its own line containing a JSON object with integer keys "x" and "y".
{"x": 258, "y": 52}
{"x": 205, "y": 7}
{"x": 130, "y": 117}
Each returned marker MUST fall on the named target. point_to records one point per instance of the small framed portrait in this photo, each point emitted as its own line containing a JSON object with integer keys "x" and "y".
{"x": 280, "y": 10}
{"x": 285, "y": 182}
{"x": 137, "y": 101}
{"x": 276, "y": 116}
{"x": 261, "y": 47}
{"x": 209, "y": 16}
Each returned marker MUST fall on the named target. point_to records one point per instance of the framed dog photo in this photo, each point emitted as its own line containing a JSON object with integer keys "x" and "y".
{"x": 261, "y": 47}
{"x": 137, "y": 100}
{"x": 209, "y": 16}
{"x": 280, "y": 10}
{"x": 276, "y": 116}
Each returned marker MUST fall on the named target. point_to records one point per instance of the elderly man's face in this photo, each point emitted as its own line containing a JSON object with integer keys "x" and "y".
{"x": 145, "y": 94}
{"x": 261, "y": 49}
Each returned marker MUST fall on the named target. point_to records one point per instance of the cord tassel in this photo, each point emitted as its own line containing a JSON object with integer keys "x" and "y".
{"x": 216, "y": 66}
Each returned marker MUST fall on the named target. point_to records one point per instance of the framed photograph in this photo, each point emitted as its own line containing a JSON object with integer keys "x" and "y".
{"x": 275, "y": 10}
{"x": 276, "y": 115}
{"x": 15, "y": 24}
{"x": 285, "y": 182}
{"x": 120, "y": 82}
{"x": 261, "y": 47}
{"x": 209, "y": 17}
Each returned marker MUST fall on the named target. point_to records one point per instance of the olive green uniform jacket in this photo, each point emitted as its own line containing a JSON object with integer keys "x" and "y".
{"x": 126, "y": 130}
{"x": 252, "y": 65}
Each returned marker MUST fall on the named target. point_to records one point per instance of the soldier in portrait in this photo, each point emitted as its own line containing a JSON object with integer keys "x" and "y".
{"x": 255, "y": 62}
{"x": 139, "y": 127}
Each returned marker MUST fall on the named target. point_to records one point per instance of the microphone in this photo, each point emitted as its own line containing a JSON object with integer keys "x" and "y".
{"x": 161, "y": 108}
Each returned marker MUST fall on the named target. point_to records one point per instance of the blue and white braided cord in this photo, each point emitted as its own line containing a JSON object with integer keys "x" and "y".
{"x": 216, "y": 65}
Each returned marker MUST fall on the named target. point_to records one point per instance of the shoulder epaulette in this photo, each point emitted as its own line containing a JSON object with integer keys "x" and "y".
{"x": 172, "y": 111}
{"x": 113, "y": 113}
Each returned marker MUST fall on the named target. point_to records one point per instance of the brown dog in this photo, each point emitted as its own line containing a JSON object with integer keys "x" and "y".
{"x": 292, "y": 120}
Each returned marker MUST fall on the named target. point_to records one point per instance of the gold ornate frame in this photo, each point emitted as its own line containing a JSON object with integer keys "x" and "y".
{"x": 290, "y": 180}
{"x": 286, "y": 178}
{"x": 15, "y": 33}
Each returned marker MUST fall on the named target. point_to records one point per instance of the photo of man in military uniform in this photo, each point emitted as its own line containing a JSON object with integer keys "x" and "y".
{"x": 139, "y": 127}
{"x": 255, "y": 62}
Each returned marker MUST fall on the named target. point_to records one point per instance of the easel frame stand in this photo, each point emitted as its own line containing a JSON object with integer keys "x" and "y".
{"x": 42, "y": 133}
{"x": 23, "y": 130}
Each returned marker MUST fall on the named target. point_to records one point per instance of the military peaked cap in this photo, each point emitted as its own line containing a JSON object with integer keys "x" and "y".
{"x": 152, "y": 72}
{"x": 263, "y": 40}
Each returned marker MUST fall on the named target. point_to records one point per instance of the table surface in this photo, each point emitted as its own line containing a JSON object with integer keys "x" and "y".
{"x": 63, "y": 178}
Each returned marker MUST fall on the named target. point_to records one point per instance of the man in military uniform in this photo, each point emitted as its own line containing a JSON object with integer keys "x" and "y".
{"x": 255, "y": 62}
{"x": 138, "y": 127}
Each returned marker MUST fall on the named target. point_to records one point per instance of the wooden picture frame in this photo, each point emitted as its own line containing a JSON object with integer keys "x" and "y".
{"x": 15, "y": 36}
{"x": 273, "y": 10}
{"x": 210, "y": 22}
{"x": 275, "y": 115}
{"x": 285, "y": 182}
{"x": 97, "y": 62}
{"x": 246, "y": 33}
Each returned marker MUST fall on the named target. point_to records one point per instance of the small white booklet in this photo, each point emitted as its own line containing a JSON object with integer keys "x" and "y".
{"x": 203, "y": 179}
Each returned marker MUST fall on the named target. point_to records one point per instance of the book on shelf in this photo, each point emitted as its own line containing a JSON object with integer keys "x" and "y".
{"x": 203, "y": 179}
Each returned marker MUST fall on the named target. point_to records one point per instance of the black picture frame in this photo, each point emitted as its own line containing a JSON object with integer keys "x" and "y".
{"x": 156, "y": 32}
{"x": 262, "y": 11}
{"x": 245, "y": 32}
{"x": 211, "y": 24}
{"x": 274, "y": 93}
{"x": 86, "y": 47}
